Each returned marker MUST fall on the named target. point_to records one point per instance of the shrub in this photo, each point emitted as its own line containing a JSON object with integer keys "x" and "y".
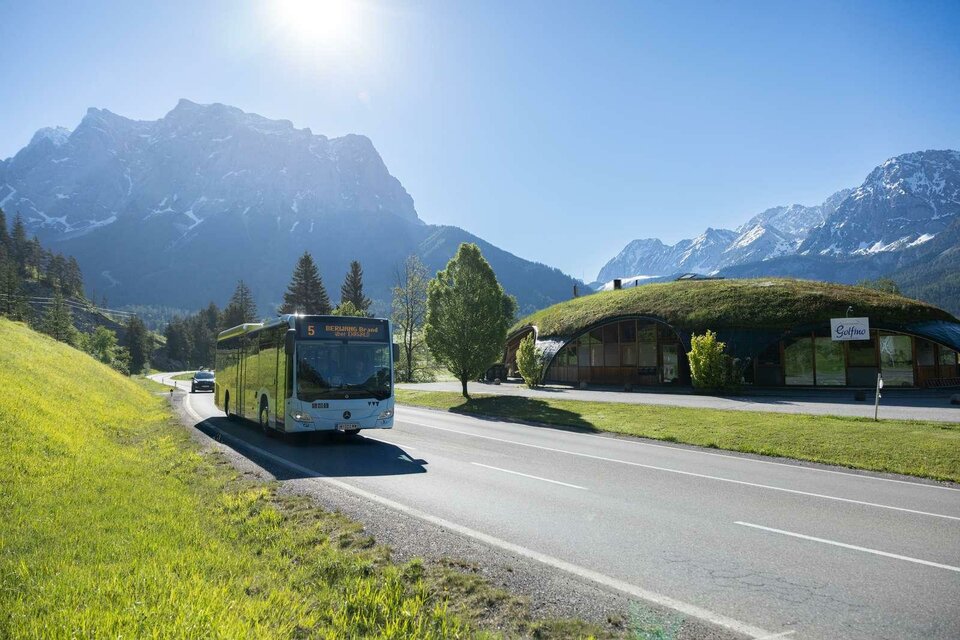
{"x": 710, "y": 367}
{"x": 530, "y": 362}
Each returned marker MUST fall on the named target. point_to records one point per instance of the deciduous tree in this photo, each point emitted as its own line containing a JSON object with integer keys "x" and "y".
{"x": 410, "y": 312}
{"x": 467, "y": 315}
{"x": 348, "y": 309}
{"x": 530, "y": 362}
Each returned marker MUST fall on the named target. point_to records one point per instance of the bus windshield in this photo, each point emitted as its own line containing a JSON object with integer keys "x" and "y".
{"x": 337, "y": 370}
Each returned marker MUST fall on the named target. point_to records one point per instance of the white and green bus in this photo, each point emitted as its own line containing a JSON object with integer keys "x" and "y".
{"x": 298, "y": 373}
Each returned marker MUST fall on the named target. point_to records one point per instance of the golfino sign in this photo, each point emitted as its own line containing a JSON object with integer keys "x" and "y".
{"x": 850, "y": 328}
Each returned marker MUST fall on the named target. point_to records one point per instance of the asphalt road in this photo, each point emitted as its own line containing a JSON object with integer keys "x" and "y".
{"x": 764, "y": 548}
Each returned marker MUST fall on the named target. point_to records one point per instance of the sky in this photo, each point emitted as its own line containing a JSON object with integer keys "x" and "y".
{"x": 557, "y": 130}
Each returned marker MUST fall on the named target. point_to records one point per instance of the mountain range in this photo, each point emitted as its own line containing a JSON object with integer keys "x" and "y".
{"x": 900, "y": 222}
{"x": 175, "y": 211}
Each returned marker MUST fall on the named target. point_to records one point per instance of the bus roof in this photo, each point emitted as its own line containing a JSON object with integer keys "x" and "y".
{"x": 240, "y": 329}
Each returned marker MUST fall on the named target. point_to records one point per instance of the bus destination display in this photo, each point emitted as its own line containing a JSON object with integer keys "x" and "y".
{"x": 345, "y": 329}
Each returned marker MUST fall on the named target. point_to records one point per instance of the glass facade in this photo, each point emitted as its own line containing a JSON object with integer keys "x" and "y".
{"x": 649, "y": 353}
{"x": 831, "y": 368}
{"x": 896, "y": 359}
{"x": 798, "y": 362}
{"x": 624, "y": 351}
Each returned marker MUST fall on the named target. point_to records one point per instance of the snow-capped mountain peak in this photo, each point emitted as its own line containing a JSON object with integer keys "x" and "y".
{"x": 196, "y": 162}
{"x": 904, "y": 202}
{"x": 56, "y": 135}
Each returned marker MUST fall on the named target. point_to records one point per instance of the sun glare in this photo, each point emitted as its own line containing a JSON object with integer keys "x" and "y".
{"x": 320, "y": 24}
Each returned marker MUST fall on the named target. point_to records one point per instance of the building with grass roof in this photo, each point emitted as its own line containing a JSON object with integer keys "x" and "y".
{"x": 778, "y": 332}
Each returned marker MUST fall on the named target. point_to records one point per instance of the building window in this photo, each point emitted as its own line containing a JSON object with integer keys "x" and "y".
{"x": 896, "y": 360}
{"x": 670, "y": 363}
{"x": 798, "y": 365}
{"x": 948, "y": 357}
{"x": 862, "y": 353}
{"x": 770, "y": 356}
{"x": 925, "y": 354}
{"x": 596, "y": 355}
{"x": 568, "y": 357}
{"x": 611, "y": 354}
{"x": 628, "y": 331}
{"x": 647, "y": 345}
{"x": 831, "y": 369}
{"x": 610, "y": 333}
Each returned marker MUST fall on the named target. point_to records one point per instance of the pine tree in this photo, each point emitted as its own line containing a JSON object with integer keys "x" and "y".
{"x": 19, "y": 244}
{"x": 58, "y": 321}
{"x": 5, "y": 241}
{"x": 138, "y": 344}
{"x": 178, "y": 341}
{"x": 241, "y": 307}
{"x": 306, "y": 293}
{"x": 34, "y": 258}
{"x": 73, "y": 278}
{"x": 13, "y": 301}
{"x": 55, "y": 271}
{"x": 352, "y": 289}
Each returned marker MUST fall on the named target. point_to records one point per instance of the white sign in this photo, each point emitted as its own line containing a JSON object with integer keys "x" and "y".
{"x": 850, "y": 328}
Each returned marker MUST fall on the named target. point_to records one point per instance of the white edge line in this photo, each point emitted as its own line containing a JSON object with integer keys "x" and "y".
{"x": 527, "y": 475}
{"x": 626, "y": 438}
{"x": 593, "y": 576}
{"x": 850, "y": 546}
{"x": 689, "y": 473}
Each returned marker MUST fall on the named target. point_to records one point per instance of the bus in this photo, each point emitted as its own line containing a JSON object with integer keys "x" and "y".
{"x": 299, "y": 373}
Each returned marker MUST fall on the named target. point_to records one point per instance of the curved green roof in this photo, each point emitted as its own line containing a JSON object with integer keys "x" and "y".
{"x": 765, "y": 303}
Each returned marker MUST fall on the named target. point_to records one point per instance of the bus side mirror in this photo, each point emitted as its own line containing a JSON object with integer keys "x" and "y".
{"x": 396, "y": 352}
{"x": 288, "y": 341}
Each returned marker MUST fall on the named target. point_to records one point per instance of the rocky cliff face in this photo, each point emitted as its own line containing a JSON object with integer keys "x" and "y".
{"x": 197, "y": 162}
{"x": 175, "y": 211}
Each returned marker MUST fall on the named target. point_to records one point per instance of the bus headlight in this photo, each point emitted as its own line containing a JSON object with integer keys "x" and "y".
{"x": 299, "y": 416}
{"x": 385, "y": 415}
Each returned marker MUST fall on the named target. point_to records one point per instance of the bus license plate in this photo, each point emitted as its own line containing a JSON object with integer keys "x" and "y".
{"x": 348, "y": 426}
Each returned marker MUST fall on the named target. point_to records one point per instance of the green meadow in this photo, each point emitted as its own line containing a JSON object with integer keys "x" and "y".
{"x": 114, "y": 523}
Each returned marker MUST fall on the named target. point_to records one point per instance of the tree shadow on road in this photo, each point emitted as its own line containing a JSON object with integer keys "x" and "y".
{"x": 523, "y": 409}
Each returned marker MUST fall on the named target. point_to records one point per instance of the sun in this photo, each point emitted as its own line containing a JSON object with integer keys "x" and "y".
{"x": 320, "y": 24}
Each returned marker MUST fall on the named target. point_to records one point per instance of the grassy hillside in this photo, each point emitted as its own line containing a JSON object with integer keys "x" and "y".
{"x": 114, "y": 524}
{"x": 716, "y": 304}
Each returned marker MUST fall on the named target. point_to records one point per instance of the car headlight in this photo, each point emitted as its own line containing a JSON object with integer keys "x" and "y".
{"x": 384, "y": 415}
{"x": 299, "y": 416}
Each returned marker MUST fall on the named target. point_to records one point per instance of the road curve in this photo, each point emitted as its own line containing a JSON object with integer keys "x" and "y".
{"x": 762, "y": 547}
